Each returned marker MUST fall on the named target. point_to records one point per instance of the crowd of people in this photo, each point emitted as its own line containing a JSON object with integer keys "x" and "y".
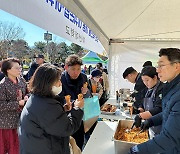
{"x": 35, "y": 116}
{"x": 35, "y": 105}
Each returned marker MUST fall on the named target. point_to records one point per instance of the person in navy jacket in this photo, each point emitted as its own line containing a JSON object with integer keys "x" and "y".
{"x": 72, "y": 84}
{"x": 168, "y": 141}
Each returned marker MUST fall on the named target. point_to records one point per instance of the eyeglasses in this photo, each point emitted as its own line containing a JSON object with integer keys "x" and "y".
{"x": 162, "y": 65}
{"x": 17, "y": 68}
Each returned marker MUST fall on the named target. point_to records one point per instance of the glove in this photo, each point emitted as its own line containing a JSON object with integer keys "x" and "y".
{"x": 137, "y": 121}
{"x": 133, "y": 150}
{"x": 146, "y": 124}
{"x": 136, "y": 111}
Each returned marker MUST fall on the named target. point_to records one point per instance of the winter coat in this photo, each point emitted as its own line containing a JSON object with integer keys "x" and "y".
{"x": 45, "y": 127}
{"x": 168, "y": 141}
{"x": 1, "y": 75}
{"x": 32, "y": 69}
{"x": 73, "y": 88}
{"x": 9, "y": 102}
{"x": 105, "y": 81}
{"x": 140, "y": 90}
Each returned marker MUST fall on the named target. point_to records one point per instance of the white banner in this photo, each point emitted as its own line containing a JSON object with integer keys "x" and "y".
{"x": 54, "y": 17}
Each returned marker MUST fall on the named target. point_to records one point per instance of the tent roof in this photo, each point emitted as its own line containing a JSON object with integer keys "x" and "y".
{"x": 91, "y": 54}
{"x": 124, "y": 20}
{"x": 91, "y": 58}
{"x": 112, "y": 21}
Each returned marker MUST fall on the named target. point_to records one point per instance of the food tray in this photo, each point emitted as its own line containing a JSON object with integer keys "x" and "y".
{"x": 107, "y": 113}
{"x": 122, "y": 146}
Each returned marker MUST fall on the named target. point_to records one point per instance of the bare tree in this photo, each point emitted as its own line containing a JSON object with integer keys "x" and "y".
{"x": 9, "y": 31}
{"x": 20, "y": 49}
{"x": 3, "y": 49}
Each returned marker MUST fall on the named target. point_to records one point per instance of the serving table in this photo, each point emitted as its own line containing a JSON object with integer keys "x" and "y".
{"x": 101, "y": 141}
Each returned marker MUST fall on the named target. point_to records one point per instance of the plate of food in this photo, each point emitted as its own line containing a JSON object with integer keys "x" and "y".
{"x": 108, "y": 109}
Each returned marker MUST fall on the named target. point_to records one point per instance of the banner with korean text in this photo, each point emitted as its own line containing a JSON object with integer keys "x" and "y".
{"x": 51, "y": 15}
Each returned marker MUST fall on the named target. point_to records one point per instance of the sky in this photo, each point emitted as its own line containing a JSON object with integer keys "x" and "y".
{"x": 33, "y": 33}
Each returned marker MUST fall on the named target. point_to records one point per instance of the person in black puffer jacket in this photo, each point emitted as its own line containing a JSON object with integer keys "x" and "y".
{"x": 45, "y": 126}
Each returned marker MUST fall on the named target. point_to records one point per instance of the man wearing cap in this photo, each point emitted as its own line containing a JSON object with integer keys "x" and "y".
{"x": 35, "y": 65}
{"x": 139, "y": 89}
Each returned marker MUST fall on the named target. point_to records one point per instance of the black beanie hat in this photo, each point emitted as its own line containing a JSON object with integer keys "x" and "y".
{"x": 96, "y": 72}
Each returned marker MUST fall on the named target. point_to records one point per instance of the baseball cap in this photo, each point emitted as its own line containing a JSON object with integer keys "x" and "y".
{"x": 39, "y": 56}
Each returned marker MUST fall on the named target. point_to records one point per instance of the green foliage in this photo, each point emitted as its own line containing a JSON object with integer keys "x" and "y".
{"x": 40, "y": 46}
{"x": 75, "y": 48}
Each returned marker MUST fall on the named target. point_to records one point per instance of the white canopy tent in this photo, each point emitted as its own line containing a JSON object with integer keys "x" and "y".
{"x": 130, "y": 31}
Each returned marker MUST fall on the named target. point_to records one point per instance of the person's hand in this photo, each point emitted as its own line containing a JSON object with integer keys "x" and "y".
{"x": 137, "y": 121}
{"x": 146, "y": 124}
{"x": 67, "y": 107}
{"x": 26, "y": 98}
{"x": 79, "y": 104}
{"x": 133, "y": 150}
{"x": 22, "y": 102}
{"x": 141, "y": 109}
{"x": 84, "y": 90}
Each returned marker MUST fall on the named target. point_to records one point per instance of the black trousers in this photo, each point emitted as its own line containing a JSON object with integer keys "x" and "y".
{"x": 90, "y": 131}
{"x": 79, "y": 136}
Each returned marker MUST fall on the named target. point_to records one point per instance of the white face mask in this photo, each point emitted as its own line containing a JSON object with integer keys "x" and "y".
{"x": 96, "y": 79}
{"x": 56, "y": 90}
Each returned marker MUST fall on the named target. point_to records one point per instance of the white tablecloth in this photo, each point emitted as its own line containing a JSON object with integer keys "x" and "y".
{"x": 100, "y": 141}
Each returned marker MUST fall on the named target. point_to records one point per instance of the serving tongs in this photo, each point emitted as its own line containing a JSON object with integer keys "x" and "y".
{"x": 129, "y": 130}
{"x": 137, "y": 134}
